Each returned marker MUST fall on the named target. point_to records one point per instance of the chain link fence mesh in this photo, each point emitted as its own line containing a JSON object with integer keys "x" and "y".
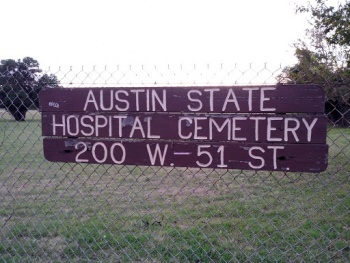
{"x": 64, "y": 212}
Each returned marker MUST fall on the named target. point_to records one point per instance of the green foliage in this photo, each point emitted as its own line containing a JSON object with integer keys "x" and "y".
{"x": 334, "y": 22}
{"x": 312, "y": 67}
{"x": 20, "y": 84}
{"x": 326, "y": 61}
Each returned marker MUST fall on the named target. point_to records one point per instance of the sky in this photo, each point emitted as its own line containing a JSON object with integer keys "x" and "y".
{"x": 130, "y": 32}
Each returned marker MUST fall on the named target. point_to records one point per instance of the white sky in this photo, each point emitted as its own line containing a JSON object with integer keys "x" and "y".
{"x": 110, "y": 32}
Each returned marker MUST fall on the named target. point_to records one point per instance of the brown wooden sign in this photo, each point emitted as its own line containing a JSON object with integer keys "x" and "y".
{"x": 245, "y": 156}
{"x": 248, "y": 99}
{"x": 212, "y": 127}
{"x": 278, "y": 127}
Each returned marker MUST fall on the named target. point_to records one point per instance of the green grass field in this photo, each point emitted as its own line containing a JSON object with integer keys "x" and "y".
{"x": 56, "y": 212}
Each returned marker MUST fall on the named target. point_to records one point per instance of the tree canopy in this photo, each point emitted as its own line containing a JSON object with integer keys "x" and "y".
{"x": 330, "y": 32}
{"x": 334, "y": 22}
{"x": 20, "y": 84}
{"x": 326, "y": 59}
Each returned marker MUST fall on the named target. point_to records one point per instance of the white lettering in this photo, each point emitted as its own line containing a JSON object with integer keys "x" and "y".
{"x": 110, "y": 126}
{"x": 126, "y": 102}
{"x": 99, "y": 124}
{"x": 123, "y": 155}
{"x": 104, "y": 152}
{"x": 137, "y": 126}
{"x": 222, "y": 159}
{"x": 137, "y": 99}
{"x": 211, "y": 97}
{"x": 250, "y": 97}
{"x": 162, "y": 102}
{"x": 256, "y": 157}
{"x": 157, "y": 153}
{"x": 120, "y": 124}
{"x": 212, "y": 123}
{"x": 257, "y": 119}
{"x": 85, "y": 147}
{"x": 235, "y": 128}
{"x": 270, "y": 129}
{"x": 69, "y": 125}
{"x": 309, "y": 128}
{"x": 189, "y": 96}
{"x": 147, "y": 100}
{"x": 102, "y": 100}
{"x": 86, "y": 125}
{"x": 263, "y": 98}
{"x": 200, "y": 152}
{"x": 62, "y": 124}
{"x": 233, "y": 99}
{"x": 179, "y": 129}
{"x": 90, "y": 99}
{"x": 54, "y": 104}
{"x": 149, "y": 135}
{"x": 291, "y": 129}
{"x": 274, "y": 148}
{"x": 197, "y": 128}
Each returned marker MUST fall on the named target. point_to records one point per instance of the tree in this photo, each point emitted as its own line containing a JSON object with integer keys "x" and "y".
{"x": 312, "y": 67}
{"x": 20, "y": 84}
{"x": 332, "y": 22}
{"x": 326, "y": 60}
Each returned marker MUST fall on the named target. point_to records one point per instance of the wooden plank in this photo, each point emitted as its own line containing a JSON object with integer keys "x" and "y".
{"x": 245, "y": 156}
{"x": 274, "y": 128}
{"x": 233, "y": 99}
{"x": 202, "y": 127}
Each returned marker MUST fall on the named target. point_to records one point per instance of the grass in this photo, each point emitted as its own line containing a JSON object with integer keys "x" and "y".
{"x": 83, "y": 213}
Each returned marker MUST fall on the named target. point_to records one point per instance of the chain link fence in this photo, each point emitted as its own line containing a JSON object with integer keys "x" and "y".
{"x": 67, "y": 212}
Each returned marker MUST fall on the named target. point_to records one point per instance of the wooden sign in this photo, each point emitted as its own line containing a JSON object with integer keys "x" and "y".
{"x": 271, "y": 128}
